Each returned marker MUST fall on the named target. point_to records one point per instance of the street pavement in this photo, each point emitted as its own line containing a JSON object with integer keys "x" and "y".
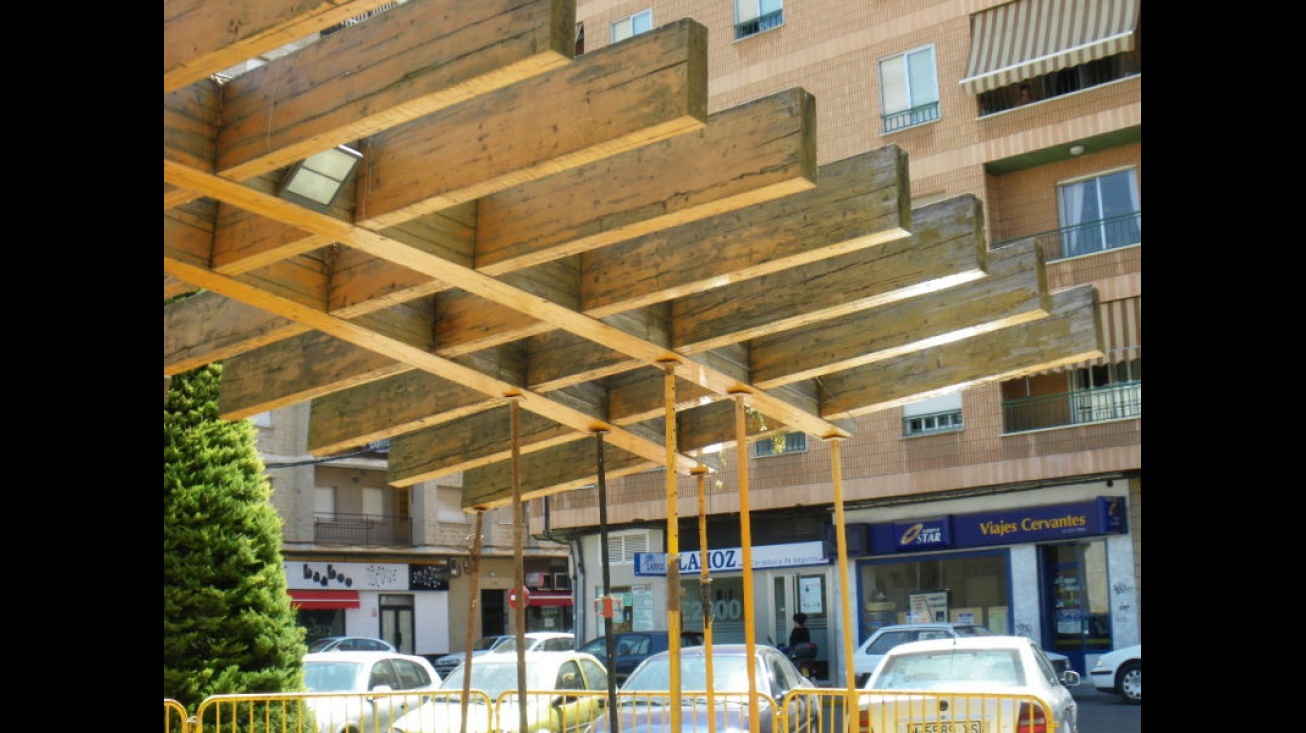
{"x": 1101, "y": 712}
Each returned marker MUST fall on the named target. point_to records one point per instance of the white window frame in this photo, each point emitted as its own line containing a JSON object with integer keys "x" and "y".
{"x": 324, "y": 500}
{"x": 940, "y": 414}
{"x": 794, "y": 443}
{"x": 905, "y": 84}
{"x": 449, "y": 505}
{"x": 1072, "y": 211}
{"x": 373, "y": 498}
{"x": 622, "y": 546}
{"x": 747, "y": 11}
{"x": 631, "y": 25}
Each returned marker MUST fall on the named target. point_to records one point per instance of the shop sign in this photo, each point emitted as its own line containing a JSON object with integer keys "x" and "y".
{"x": 765, "y": 557}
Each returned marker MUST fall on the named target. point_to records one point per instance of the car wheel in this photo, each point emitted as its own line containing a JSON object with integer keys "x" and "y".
{"x": 1130, "y": 683}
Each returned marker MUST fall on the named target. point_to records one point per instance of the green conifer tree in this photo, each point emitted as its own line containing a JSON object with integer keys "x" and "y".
{"x": 228, "y": 626}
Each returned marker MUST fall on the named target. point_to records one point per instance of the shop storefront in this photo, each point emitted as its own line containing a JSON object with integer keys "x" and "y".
{"x": 1043, "y": 571}
{"x": 405, "y": 604}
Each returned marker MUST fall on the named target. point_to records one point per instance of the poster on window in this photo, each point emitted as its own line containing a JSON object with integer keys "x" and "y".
{"x": 811, "y": 594}
{"x": 927, "y": 607}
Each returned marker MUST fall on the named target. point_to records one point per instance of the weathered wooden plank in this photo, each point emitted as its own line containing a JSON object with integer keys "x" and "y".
{"x": 388, "y": 408}
{"x": 858, "y": 202}
{"x": 748, "y": 154}
{"x": 190, "y": 123}
{"x": 469, "y": 442}
{"x": 605, "y": 102}
{"x": 203, "y": 37}
{"x": 1014, "y": 291}
{"x": 208, "y": 327}
{"x": 294, "y": 370}
{"x": 398, "y": 66}
{"x": 549, "y": 471}
{"x": 1070, "y": 335}
{"x": 946, "y": 248}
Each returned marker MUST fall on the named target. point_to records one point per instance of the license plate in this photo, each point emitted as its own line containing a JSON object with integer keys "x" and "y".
{"x": 947, "y": 726}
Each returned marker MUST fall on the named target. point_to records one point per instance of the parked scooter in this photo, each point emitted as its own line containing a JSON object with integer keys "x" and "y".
{"x": 803, "y": 656}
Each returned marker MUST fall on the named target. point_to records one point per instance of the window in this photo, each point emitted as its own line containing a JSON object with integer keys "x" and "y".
{"x": 933, "y": 415}
{"x": 449, "y": 505}
{"x": 789, "y": 443}
{"x": 632, "y": 25}
{"x": 1100, "y": 213}
{"x": 754, "y": 16}
{"x": 324, "y": 500}
{"x": 909, "y": 89}
{"x": 373, "y": 501}
{"x": 622, "y": 546}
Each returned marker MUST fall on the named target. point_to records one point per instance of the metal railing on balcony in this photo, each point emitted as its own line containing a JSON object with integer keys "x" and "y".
{"x": 362, "y": 529}
{"x": 1117, "y": 402}
{"x": 909, "y": 117}
{"x": 1085, "y": 238}
{"x": 763, "y": 22}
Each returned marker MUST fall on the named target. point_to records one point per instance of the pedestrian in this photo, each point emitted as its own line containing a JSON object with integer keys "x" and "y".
{"x": 799, "y": 634}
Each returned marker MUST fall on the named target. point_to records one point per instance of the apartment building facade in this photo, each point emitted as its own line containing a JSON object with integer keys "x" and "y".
{"x": 365, "y": 558}
{"x": 1015, "y": 504}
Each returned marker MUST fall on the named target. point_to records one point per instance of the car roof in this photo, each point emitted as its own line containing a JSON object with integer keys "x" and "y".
{"x": 359, "y": 656}
{"x": 928, "y": 625}
{"x": 964, "y": 642}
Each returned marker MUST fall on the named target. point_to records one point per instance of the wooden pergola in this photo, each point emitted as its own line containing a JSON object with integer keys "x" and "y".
{"x": 557, "y": 231}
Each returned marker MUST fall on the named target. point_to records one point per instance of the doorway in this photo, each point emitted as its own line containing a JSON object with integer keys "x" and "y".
{"x": 1076, "y": 599}
{"x": 806, "y": 593}
{"x": 494, "y": 618}
{"x": 397, "y": 621}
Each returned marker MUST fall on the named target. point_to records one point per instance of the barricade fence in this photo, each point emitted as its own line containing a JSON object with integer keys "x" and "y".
{"x": 806, "y": 710}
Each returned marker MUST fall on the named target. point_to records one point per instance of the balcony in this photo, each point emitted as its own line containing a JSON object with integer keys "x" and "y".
{"x": 1102, "y": 404}
{"x": 910, "y": 117}
{"x": 362, "y": 529}
{"x": 766, "y": 21}
{"x": 1086, "y": 238}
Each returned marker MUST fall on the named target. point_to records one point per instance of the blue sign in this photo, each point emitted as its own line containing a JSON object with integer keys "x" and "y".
{"x": 1098, "y": 516}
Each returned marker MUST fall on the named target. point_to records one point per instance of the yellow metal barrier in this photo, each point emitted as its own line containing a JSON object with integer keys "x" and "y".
{"x": 174, "y": 717}
{"x": 809, "y": 710}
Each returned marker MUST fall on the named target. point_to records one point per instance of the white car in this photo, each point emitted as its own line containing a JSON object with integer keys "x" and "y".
{"x": 1120, "y": 672}
{"x": 381, "y": 673}
{"x": 977, "y": 684}
{"x": 885, "y": 638}
{"x": 551, "y": 641}
{"x": 492, "y": 707}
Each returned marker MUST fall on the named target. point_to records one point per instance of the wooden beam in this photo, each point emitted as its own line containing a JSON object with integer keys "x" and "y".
{"x": 1070, "y": 335}
{"x": 397, "y": 66}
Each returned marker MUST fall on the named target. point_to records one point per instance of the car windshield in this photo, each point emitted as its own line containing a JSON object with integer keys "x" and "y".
{"x": 321, "y": 644}
{"x": 973, "y": 631}
{"x": 331, "y": 676}
{"x": 489, "y": 642}
{"x": 729, "y": 674}
{"x": 937, "y": 670}
{"x": 495, "y": 678}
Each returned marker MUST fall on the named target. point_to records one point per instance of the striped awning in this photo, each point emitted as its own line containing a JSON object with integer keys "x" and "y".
{"x": 1122, "y": 330}
{"x": 1029, "y": 38}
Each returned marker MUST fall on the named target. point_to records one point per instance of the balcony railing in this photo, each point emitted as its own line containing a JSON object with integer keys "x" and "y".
{"x": 761, "y": 23}
{"x": 1086, "y": 238}
{"x": 1117, "y": 402}
{"x": 362, "y": 529}
{"x": 909, "y": 117}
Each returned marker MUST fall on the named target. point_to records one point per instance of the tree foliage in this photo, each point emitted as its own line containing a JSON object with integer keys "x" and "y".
{"x": 228, "y": 626}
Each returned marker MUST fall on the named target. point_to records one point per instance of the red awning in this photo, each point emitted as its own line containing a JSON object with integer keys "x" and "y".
{"x": 324, "y": 599}
{"x": 549, "y": 599}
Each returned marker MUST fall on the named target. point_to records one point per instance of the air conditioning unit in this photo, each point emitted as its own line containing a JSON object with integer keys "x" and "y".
{"x": 561, "y": 581}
